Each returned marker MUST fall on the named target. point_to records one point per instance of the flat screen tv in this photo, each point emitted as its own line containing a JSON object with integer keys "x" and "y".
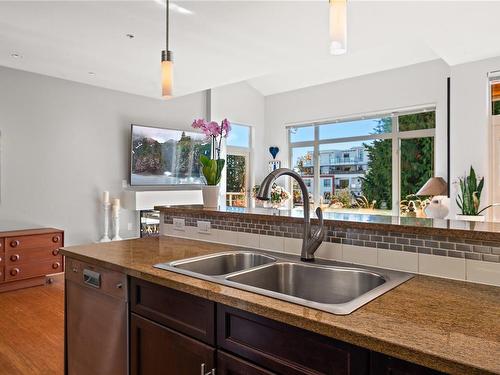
{"x": 166, "y": 157}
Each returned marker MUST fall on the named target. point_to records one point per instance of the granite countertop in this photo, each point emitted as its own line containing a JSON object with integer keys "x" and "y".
{"x": 443, "y": 324}
{"x": 484, "y": 231}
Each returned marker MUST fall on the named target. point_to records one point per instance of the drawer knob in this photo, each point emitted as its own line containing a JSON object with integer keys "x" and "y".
{"x": 14, "y": 243}
{"x": 55, "y": 252}
{"x": 56, "y": 265}
{"x": 14, "y": 257}
{"x": 14, "y": 272}
{"x": 56, "y": 239}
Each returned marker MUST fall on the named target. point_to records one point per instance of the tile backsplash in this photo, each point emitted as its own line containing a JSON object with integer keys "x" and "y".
{"x": 486, "y": 251}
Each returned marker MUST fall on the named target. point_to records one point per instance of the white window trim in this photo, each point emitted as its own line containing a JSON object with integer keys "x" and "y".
{"x": 247, "y": 153}
{"x": 395, "y": 135}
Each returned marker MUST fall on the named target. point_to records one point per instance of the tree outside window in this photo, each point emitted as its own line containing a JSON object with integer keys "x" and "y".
{"x": 359, "y": 155}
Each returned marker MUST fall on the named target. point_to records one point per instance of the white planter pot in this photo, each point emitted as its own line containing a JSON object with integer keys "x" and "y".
{"x": 471, "y": 217}
{"x": 210, "y": 196}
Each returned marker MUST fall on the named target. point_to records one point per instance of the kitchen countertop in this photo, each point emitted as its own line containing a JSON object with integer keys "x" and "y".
{"x": 484, "y": 231}
{"x": 447, "y": 325}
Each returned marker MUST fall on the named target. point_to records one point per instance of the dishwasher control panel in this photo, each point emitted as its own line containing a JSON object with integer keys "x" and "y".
{"x": 92, "y": 278}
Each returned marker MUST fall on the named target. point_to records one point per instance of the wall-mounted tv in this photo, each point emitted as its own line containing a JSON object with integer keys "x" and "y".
{"x": 166, "y": 156}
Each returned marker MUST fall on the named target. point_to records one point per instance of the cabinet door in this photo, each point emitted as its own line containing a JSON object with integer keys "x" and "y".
{"x": 231, "y": 365}
{"x": 285, "y": 349}
{"x": 384, "y": 365}
{"x": 157, "y": 350}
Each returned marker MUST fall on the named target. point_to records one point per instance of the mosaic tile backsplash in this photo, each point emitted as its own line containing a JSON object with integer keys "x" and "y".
{"x": 435, "y": 245}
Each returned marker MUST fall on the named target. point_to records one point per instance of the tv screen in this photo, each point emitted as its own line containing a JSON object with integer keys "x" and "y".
{"x": 166, "y": 156}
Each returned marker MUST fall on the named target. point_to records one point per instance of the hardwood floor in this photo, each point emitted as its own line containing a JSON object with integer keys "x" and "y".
{"x": 32, "y": 330}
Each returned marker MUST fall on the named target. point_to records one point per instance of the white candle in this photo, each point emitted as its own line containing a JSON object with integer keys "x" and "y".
{"x": 105, "y": 197}
{"x": 116, "y": 204}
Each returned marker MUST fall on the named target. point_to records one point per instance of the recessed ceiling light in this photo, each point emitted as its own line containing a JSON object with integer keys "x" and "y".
{"x": 92, "y": 73}
{"x": 130, "y": 36}
{"x": 15, "y": 55}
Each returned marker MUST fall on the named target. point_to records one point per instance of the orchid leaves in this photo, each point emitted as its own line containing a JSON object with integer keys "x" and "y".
{"x": 212, "y": 169}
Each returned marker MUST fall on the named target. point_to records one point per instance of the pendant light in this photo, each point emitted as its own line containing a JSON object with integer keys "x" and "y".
{"x": 166, "y": 62}
{"x": 338, "y": 27}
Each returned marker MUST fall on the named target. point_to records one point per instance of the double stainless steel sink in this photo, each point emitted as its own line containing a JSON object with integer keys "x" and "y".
{"x": 329, "y": 286}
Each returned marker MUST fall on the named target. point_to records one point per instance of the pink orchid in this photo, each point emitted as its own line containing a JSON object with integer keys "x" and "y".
{"x": 199, "y": 123}
{"x": 226, "y": 127}
{"x": 214, "y": 128}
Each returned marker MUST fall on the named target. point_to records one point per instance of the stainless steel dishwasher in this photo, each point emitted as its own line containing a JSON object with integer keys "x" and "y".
{"x": 96, "y": 320}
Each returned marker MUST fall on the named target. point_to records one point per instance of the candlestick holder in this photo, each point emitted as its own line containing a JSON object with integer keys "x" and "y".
{"x": 116, "y": 224}
{"x": 105, "y": 236}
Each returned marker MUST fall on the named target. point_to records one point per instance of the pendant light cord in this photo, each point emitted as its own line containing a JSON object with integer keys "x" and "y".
{"x": 166, "y": 22}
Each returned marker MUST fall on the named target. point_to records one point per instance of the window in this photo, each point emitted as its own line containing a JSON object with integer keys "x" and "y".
{"x": 358, "y": 164}
{"x": 239, "y": 136}
{"x": 237, "y": 166}
{"x": 302, "y": 161}
{"x": 495, "y": 99}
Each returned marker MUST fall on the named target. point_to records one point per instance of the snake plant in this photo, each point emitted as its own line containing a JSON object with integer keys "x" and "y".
{"x": 469, "y": 198}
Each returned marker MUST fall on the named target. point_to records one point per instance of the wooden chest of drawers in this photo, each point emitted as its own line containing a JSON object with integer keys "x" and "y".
{"x": 27, "y": 256}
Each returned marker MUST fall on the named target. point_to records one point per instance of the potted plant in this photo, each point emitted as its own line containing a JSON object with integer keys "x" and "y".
{"x": 278, "y": 198}
{"x": 469, "y": 198}
{"x": 212, "y": 166}
{"x": 413, "y": 206}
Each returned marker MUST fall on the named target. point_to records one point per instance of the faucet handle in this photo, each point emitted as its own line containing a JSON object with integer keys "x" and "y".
{"x": 320, "y": 232}
{"x": 319, "y": 214}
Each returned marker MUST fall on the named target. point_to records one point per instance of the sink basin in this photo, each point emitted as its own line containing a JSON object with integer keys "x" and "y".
{"x": 336, "y": 287}
{"x": 330, "y": 285}
{"x": 223, "y": 263}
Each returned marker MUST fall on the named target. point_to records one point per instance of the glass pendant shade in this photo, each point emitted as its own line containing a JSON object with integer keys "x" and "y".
{"x": 167, "y": 72}
{"x": 338, "y": 27}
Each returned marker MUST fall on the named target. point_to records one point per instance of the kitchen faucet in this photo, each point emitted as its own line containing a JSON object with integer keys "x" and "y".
{"x": 310, "y": 241}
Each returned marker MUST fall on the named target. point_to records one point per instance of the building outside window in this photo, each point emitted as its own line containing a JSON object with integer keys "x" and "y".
{"x": 371, "y": 164}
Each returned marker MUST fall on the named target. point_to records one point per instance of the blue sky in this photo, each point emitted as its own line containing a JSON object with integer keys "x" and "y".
{"x": 336, "y": 130}
{"x": 239, "y": 136}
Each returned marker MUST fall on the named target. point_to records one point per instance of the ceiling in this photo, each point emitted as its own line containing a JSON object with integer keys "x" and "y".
{"x": 275, "y": 46}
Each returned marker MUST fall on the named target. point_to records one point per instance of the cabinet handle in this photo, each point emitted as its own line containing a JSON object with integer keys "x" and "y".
{"x": 14, "y": 257}
{"x": 14, "y": 271}
{"x": 203, "y": 369}
{"x": 14, "y": 243}
{"x": 56, "y": 265}
{"x": 55, "y": 252}
{"x": 56, "y": 239}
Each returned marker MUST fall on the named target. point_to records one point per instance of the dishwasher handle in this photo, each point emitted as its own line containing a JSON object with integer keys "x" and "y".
{"x": 92, "y": 278}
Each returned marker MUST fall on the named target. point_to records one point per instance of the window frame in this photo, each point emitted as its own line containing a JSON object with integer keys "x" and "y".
{"x": 247, "y": 153}
{"x": 395, "y": 135}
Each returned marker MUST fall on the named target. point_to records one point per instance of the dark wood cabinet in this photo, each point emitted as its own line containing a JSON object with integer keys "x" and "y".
{"x": 286, "y": 349}
{"x": 384, "y": 365}
{"x": 191, "y": 315}
{"x": 157, "y": 350}
{"x": 173, "y": 332}
{"x": 228, "y": 364}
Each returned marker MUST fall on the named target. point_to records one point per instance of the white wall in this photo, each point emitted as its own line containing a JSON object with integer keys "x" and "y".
{"x": 62, "y": 143}
{"x": 470, "y": 121}
{"x": 242, "y": 104}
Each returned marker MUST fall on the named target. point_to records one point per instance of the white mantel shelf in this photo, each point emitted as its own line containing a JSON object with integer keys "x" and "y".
{"x": 138, "y": 200}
